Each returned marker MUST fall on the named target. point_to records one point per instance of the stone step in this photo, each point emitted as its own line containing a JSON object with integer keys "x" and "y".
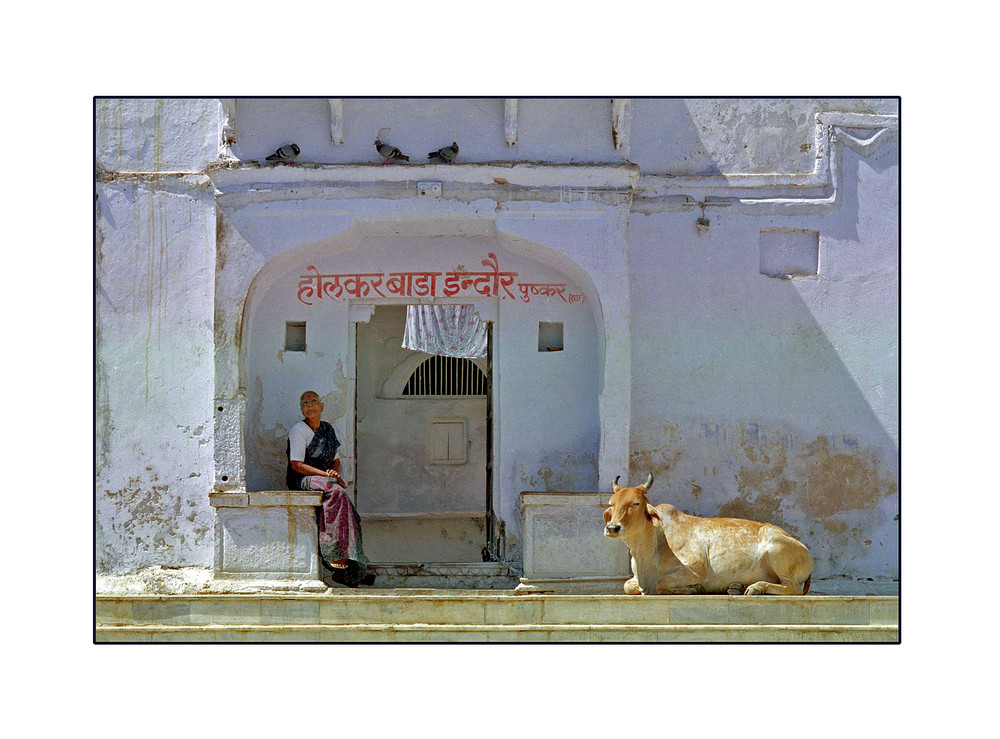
{"x": 441, "y": 575}
{"x": 371, "y": 615}
{"x": 501, "y": 633}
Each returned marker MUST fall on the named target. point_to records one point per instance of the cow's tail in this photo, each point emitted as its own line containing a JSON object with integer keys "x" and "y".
{"x": 805, "y": 585}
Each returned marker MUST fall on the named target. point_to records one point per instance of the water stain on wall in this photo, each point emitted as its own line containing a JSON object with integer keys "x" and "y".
{"x": 837, "y": 481}
{"x": 763, "y": 508}
{"x": 774, "y": 474}
{"x": 831, "y": 491}
{"x": 220, "y": 236}
{"x": 568, "y": 473}
{"x": 659, "y": 460}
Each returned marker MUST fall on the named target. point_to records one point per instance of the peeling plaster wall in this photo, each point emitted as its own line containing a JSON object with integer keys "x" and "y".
{"x": 155, "y": 275}
{"x": 156, "y": 135}
{"x": 712, "y": 136}
{"x": 154, "y": 376}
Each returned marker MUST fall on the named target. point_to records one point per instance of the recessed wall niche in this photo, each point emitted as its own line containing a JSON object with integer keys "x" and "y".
{"x": 295, "y": 336}
{"x": 550, "y": 336}
{"x": 787, "y": 253}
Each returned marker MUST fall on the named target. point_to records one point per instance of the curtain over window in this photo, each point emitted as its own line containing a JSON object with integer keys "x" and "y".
{"x": 445, "y": 330}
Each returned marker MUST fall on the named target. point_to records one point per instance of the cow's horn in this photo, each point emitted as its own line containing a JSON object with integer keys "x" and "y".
{"x": 649, "y": 481}
{"x": 614, "y": 485}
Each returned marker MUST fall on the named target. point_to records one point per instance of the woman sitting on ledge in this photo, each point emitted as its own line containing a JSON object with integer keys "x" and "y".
{"x": 314, "y": 464}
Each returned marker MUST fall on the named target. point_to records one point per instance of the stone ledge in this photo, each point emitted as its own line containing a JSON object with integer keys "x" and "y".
{"x": 286, "y": 498}
{"x": 265, "y": 499}
{"x": 228, "y": 499}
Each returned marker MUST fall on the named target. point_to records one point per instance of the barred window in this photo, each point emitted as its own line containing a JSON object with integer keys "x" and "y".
{"x": 446, "y": 376}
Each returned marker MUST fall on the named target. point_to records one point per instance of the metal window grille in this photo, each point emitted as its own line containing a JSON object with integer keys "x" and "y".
{"x": 446, "y": 376}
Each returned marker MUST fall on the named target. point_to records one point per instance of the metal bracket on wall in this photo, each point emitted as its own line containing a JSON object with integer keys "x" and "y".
{"x": 510, "y": 121}
{"x": 337, "y": 121}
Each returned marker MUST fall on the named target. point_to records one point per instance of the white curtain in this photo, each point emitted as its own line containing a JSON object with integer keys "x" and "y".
{"x": 445, "y": 330}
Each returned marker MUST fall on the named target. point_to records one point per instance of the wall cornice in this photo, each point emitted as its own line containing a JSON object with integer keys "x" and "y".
{"x": 616, "y": 183}
{"x": 243, "y": 177}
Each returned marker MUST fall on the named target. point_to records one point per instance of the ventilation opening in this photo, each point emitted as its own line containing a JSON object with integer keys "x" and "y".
{"x": 550, "y": 337}
{"x": 446, "y": 376}
{"x": 295, "y": 336}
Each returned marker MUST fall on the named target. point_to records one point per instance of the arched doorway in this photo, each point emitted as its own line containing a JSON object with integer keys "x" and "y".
{"x": 312, "y": 320}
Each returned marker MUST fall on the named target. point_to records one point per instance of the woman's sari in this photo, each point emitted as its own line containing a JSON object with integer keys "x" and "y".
{"x": 339, "y": 522}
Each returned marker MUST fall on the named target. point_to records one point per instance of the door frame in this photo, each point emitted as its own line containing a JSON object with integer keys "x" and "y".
{"x": 362, "y": 312}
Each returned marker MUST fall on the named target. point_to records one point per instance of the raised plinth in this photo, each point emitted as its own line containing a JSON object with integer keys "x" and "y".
{"x": 270, "y": 537}
{"x": 565, "y": 550}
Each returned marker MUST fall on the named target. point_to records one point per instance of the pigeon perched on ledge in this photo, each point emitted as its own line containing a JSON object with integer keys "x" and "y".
{"x": 285, "y": 153}
{"x": 446, "y": 153}
{"x": 390, "y": 152}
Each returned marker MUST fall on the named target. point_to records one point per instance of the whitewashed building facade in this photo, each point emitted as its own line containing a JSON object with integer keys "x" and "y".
{"x": 704, "y": 289}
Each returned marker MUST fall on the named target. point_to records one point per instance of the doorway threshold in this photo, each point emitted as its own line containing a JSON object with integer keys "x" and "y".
{"x": 445, "y": 575}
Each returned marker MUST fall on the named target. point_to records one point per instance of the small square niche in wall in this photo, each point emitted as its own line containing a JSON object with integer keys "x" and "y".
{"x": 786, "y": 253}
{"x": 295, "y": 336}
{"x": 550, "y": 337}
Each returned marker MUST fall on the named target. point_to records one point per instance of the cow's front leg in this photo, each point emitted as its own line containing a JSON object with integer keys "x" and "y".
{"x": 632, "y": 584}
{"x": 786, "y": 587}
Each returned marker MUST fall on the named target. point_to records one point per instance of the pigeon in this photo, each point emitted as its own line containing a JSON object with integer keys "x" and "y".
{"x": 284, "y": 153}
{"x": 390, "y": 152}
{"x": 445, "y": 154}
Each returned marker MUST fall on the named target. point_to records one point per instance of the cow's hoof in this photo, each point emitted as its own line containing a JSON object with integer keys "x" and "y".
{"x": 735, "y": 588}
{"x": 698, "y": 589}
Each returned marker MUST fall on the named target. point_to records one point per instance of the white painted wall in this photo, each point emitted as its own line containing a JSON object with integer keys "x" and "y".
{"x": 551, "y": 130}
{"x": 155, "y": 272}
{"x": 157, "y": 135}
{"x": 744, "y": 394}
{"x": 774, "y": 398}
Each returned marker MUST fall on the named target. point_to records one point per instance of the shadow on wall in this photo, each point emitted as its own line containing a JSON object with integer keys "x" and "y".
{"x": 772, "y": 425}
{"x": 776, "y": 399}
{"x": 673, "y": 144}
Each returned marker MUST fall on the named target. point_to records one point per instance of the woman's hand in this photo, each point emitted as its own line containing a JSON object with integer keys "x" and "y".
{"x": 336, "y": 476}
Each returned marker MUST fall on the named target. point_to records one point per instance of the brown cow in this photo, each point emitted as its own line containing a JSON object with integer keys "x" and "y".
{"x": 674, "y": 553}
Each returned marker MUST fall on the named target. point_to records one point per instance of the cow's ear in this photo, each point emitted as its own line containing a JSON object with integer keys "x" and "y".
{"x": 654, "y": 515}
